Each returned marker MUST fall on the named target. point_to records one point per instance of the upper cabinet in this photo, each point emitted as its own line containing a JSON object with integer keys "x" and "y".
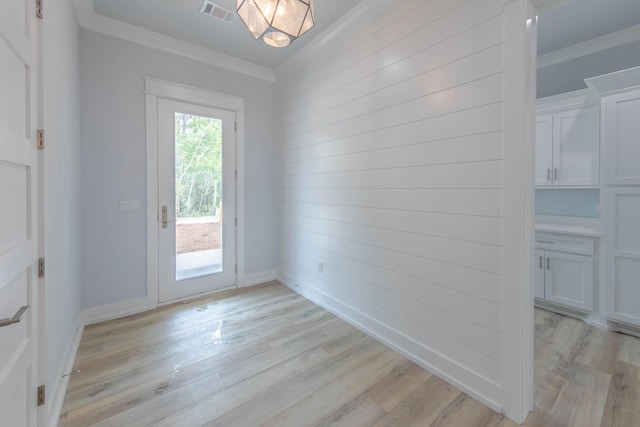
{"x": 568, "y": 140}
{"x": 622, "y": 133}
{"x": 620, "y": 93}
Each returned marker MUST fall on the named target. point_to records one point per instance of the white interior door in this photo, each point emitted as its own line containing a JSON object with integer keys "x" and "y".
{"x": 197, "y": 199}
{"x": 18, "y": 233}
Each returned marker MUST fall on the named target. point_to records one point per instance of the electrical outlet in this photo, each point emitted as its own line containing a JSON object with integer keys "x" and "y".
{"x": 129, "y": 205}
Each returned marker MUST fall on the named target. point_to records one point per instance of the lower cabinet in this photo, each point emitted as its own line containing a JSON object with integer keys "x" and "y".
{"x": 564, "y": 275}
{"x": 622, "y": 253}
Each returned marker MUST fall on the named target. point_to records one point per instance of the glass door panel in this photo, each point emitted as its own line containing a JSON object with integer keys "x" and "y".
{"x": 196, "y": 192}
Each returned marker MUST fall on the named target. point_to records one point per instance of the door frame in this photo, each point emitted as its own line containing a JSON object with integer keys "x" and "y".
{"x": 159, "y": 89}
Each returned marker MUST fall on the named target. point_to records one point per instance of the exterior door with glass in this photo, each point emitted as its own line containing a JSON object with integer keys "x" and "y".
{"x": 197, "y": 199}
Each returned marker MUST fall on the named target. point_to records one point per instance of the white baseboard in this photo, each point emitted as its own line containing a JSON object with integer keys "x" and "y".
{"x": 59, "y": 389}
{"x": 114, "y": 310}
{"x": 252, "y": 279}
{"x": 468, "y": 381}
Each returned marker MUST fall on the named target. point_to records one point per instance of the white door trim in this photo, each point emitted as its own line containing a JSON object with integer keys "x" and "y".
{"x": 155, "y": 89}
{"x": 516, "y": 354}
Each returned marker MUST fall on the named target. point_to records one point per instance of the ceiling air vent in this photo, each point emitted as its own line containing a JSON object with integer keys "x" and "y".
{"x": 217, "y": 11}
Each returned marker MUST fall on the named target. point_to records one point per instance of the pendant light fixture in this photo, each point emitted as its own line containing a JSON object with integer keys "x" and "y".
{"x": 276, "y": 22}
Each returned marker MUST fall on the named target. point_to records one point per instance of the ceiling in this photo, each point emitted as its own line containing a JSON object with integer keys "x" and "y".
{"x": 562, "y": 24}
{"x": 182, "y": 20}
{"x": 575, "y": 21}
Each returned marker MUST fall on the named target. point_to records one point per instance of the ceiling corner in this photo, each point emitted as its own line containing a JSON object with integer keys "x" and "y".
{"x": 89, "y": 19}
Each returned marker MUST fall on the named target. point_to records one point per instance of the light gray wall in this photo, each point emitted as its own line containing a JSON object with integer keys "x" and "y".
{"x": 113, "y": 157}
{"x": 62, "y": 200}
{"x": 569, "y": 76}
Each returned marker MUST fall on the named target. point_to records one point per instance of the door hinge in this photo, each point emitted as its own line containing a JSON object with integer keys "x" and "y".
{"x": 236, "y": 268}
{"x": 41, "y": 395}
{"x": 41, "y": 267}
{"x": 40, "y": 142}
{"x": 236, "y": 126}
{"x": 39, "y": 13}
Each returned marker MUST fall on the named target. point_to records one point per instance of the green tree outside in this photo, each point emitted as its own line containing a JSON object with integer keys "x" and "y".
{"x": 198, "y": 165}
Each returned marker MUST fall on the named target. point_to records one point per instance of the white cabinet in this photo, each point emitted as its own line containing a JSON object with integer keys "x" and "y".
{"x": 567, "y": 141}
{"x": 622, "y": 136}
{"x": 620, "y": 92}
{"x": 544, "y": 149}
{"x": 565, "y": 271}
{"x": 622, "y": 260}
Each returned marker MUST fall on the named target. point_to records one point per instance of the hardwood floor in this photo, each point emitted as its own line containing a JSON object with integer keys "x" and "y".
{"x": 266, "y": 356}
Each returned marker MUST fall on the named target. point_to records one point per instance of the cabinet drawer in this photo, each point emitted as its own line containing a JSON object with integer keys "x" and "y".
{"x": 574, "y": 245}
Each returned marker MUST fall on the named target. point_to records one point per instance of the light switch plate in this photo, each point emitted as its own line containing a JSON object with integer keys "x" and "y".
{"x": 129, "y": 205}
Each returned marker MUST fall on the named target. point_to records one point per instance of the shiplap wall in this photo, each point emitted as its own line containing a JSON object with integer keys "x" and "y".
{"x": 390, "y": 149}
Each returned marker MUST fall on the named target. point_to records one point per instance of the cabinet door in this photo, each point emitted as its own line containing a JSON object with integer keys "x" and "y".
{"x": 544, "y": 149}
{"x": 622, "y": 139}
{"x": 538, "y": 263}
{"x": 569, "y": 280}
{"x": 576, "y": 145}
{"x": 622, "y": 254}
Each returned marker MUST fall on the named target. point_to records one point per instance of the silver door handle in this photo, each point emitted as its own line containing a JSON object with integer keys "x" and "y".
{"x": 555, "y": 174}
{"x": 165, "y": 218}
{"x": 16, "y": 318}
{"x": 541, "y": 265}
{"x": 548, "y": 174}
{"x": 548, "y": 263}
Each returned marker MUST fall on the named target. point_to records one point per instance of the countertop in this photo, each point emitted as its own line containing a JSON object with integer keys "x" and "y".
{"x": 588, "y": 227}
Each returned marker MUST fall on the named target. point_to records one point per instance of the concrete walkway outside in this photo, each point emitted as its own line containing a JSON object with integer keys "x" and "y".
{"x": 201, "y": 263}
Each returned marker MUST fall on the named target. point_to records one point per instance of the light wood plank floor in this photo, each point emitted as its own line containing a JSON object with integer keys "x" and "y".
{"x": 266, "y": 356}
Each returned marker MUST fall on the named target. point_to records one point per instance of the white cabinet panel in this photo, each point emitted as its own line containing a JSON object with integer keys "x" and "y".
{"x": 544, "y": 149}
{"x": 564, "y": 271}
{"x": 567, "y": 141}
{"x": 627, "y": 289}
{"x": 627, "y": 222}
{"x": 622, "y": 262}
{"x": 576, "y": 136}
{"x": 569, "y": 280}
{"x": 622, "y": 139}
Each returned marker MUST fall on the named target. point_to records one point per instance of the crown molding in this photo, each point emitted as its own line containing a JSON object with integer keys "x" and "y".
{"x": 589, "y": 47}
{"x": 579, "y": 98}
{"x": 89, "y": 19}
{"x": 616, "y": 82}
{"x": 542, "y": 5}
